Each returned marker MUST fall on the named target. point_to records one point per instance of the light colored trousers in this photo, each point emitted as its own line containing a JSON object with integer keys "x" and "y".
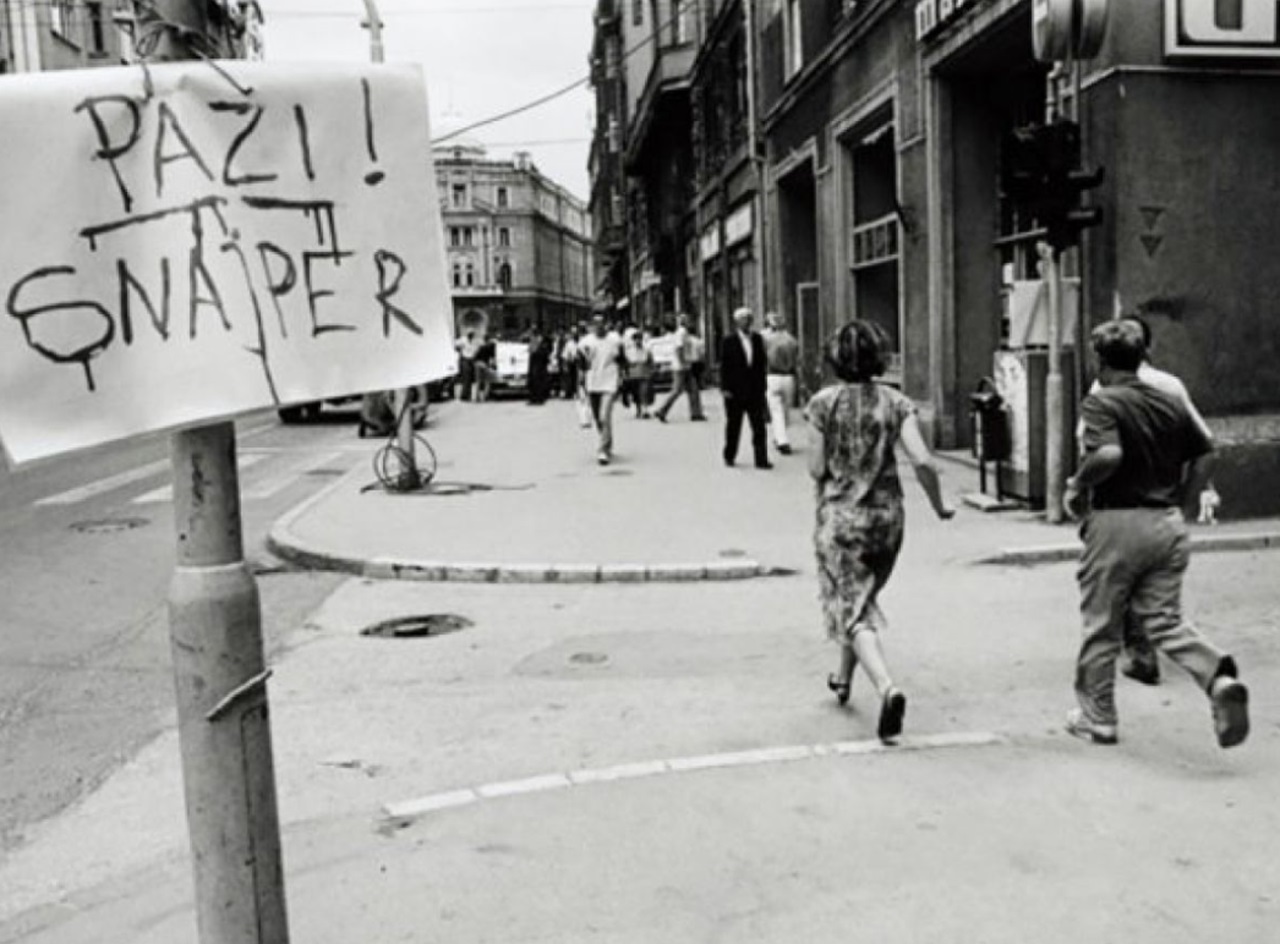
{"x": 1133, "y": 561}
{"x": 781, "y": 392}
{"x": 602, "y": 412}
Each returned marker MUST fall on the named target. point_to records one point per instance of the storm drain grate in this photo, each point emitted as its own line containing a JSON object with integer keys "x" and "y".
{"x": 324, "y": 473}
{"x": 410, "y": 627}
{"x": 109, "y": 525}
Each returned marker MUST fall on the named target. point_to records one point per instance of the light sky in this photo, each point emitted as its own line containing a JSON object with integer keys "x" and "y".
{"x": 480, "y": 58}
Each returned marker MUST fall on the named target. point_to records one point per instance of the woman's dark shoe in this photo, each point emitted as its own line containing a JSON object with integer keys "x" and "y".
{"x": 839, "y": 688}
{"x": 892, "y": 710}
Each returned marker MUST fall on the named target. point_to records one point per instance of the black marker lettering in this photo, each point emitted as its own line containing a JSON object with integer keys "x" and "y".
{"x": 304, "y": 139}
{"x": 375, "y": 176}
{"x": 81, "y": 355}
{"x": 255, "y": 113}
{"x": 107, "y": 149}
{"x": 168, "y": 120}
{"x": 281, "y": 285}
{"x": 314, "y": 294}
{"x": 387, "y": 289}
{"x": 127, "y": 280}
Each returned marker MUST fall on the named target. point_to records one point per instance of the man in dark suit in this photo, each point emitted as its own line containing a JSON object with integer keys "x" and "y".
{"x": 743, "y": 371}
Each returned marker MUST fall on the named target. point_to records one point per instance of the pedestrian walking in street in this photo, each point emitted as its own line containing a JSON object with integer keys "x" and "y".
{"x": 467, "y": 346}
{"x": 639, "y": 371}
{"x": 1139, "y": 661}
{"x": 1143, "y": 455}
{"x": 743, "y": 368}
{"x": 485, "y": 365}
{"x": 539, "y": 367}
{"x": 783, "y": 353}
{"x": 856, "y": 424}
{"x": 601, "y": 355}
{"x": 569, "y": 364}
{"x": 681, "y": 378}
{"x": 697, "y": 348}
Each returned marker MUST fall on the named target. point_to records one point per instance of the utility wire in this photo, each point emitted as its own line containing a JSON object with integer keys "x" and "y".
{"x": 551, "y": 96}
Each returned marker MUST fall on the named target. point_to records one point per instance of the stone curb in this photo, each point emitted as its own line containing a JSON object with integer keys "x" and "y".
{"x": 284, "y": 544}
{"x": 1058, "y": 553}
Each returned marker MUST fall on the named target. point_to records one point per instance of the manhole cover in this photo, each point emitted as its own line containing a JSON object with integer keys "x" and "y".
{"x": 324, "y": 473}
{"x": 589, "y": 658}
{"x": 617, "y": 472}
{"x": 109, "y": 525}
{"x": 407, "y": 627}
{"x": 733, "y": 552}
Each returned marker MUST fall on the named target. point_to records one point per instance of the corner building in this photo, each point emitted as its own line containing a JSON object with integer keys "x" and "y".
{"x": 883, "y": 124}
{"x": 518, "y": 246}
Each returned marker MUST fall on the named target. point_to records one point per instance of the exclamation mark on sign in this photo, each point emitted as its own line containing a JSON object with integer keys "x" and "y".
{"x": 374, "y": 177}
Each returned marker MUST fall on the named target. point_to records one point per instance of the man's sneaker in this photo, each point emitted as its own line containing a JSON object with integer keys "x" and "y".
{"x": 602, "y": 458}
{"x": 1230, "y": 710}
{"x": 1081, "y": 727}
{"x": 1146, "y": 671}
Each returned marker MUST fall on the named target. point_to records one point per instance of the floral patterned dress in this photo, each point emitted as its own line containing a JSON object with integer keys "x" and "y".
{"x": 860, "y": 515}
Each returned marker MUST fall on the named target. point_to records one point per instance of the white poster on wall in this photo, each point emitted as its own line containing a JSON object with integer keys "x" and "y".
{"x": 187, "y": 242}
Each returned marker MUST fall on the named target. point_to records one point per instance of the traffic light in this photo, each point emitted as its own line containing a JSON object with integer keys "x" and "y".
{"x": 1062, "y": 213}
{"x": 1040, "y": 173}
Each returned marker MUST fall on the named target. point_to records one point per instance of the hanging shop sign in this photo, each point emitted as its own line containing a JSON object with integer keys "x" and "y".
{"x": 1247, "y": 29}
{"x": 185, "y": 243}
{"x": 737, "y": 225}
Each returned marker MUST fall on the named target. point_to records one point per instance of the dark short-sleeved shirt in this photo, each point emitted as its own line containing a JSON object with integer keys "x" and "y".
{"x": 1157, "y": 436}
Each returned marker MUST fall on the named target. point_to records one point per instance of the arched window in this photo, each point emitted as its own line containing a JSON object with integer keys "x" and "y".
{"x": 504, "y": 276}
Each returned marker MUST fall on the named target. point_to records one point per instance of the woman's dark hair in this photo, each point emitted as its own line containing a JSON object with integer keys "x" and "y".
{"x": 858, "y": 352}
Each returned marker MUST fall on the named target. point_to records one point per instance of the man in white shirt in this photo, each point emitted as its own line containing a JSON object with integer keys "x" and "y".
{"x": 783, "y": 353}
{"x": 601, "y": 354}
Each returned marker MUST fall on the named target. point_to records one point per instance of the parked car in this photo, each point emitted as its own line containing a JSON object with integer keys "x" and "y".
{"x": 436, "y": 391}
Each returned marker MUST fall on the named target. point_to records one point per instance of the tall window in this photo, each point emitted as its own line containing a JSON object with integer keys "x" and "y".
{"x": 469, "y": 273}
{"x": 793, "y": 38}
{"x": 455, "y": 236}
{"x": 504, "y": 236}
{"x": 504, "y": 197}
{"x": 875, "y": 244}
{"x": 459, "y": 195}
{"x": 682, "y": 22}
{"x": 97, "y": 29}
{"x": 504, "y": 275}
{"x": 62, "y": 13}
{"x": 468, "y": 235}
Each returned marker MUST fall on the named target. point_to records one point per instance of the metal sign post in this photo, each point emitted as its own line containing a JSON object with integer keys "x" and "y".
{"x": 215, "y": 631}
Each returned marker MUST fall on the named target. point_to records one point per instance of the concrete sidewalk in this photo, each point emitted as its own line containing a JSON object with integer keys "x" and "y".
{"x": 518, "y": 498}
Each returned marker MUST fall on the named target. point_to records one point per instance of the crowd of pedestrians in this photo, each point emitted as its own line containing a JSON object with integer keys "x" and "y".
{"x": 1144, "y": 451}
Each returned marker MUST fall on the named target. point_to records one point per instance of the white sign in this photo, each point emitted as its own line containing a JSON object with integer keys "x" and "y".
{"x": 1194, "y": 28}
{"x": 737, "y": 225}
{"x": 184, "y": 243}
{"x": 709, "y": 242}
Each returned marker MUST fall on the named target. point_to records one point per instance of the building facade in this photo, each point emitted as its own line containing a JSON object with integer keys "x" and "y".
{"x": 606, "y": 163}
{"x": 42, "y": 35}
{"x": 518, "y": 245}
{"x": 846, "y": 159}
{"x": 884, "y": 125}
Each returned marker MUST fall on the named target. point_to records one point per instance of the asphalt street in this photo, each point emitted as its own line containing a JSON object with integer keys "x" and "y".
{"x": 630, "y": 763}
{"x": 86, "y": 552}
